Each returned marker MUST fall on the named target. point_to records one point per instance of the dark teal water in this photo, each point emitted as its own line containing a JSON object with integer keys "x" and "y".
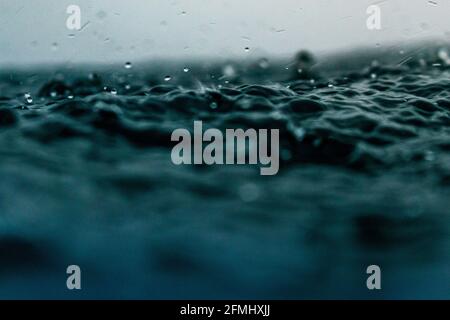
{"x": 86, "y": 179}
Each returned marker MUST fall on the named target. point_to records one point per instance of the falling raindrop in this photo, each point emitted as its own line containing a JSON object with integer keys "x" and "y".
{"x": 247, "y": 49}
{"x": 28, "y": 98}
{"x": 128, "y": 65}
{"x": 113, "y": 91}
{"x": 185, "y": 69}
{"x": 299, "y": 133}
{"x": 229, "y": 71}
{"x": 263, "y": 63}
{"x": 443, "y": 55}
{"x": 167, "y": 78}
{"x": 101, "y": 14}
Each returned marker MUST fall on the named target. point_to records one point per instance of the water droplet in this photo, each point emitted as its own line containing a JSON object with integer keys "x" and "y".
{"x": 167, "y": 78}
{"x": 213, "y": 105}
{"x": 247, "y": 49}
{"x": 53, "y": 94}
{"x": 432, "y": 3}
{"x": 299, "y": 133}
{"x": 330, "y": 85}
{"x": 277, "y": 115}
{"x": 127, "y": 87}
{"x": 185, "y": 69}
{"x": 229, "y": 71}
{"x": 443, "y": 55}
{"x": 299, "y": 70}
{"x": 113, "y": 91}
{"x": 101, "y": 14}
{"x": 373, "y": 75}
{"x": 263, "y": 63}
{"x": 54, "y": 46}
{"x": 28, "y": 98}
{"x": 128, "y": 65}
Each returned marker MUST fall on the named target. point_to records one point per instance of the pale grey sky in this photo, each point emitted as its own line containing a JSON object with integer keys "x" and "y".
{"x": 117, "y": 30}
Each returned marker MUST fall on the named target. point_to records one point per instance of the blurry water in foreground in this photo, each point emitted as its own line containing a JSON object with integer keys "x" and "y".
{"x": 86, "y": 179}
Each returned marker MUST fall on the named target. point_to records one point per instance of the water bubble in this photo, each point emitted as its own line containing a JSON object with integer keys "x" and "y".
{"x": 167, "y": 78}
{"x": 28, "y": 98}
{"x": 128, "y": 65}
{"x": 185, "y": 69}
{"x": 299, "y": 71}
{"x": 53, "y": 94}
{"x": 373, "y": 75}
{"x": 127, "y": 87}
{"x": 213, "y": 105}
